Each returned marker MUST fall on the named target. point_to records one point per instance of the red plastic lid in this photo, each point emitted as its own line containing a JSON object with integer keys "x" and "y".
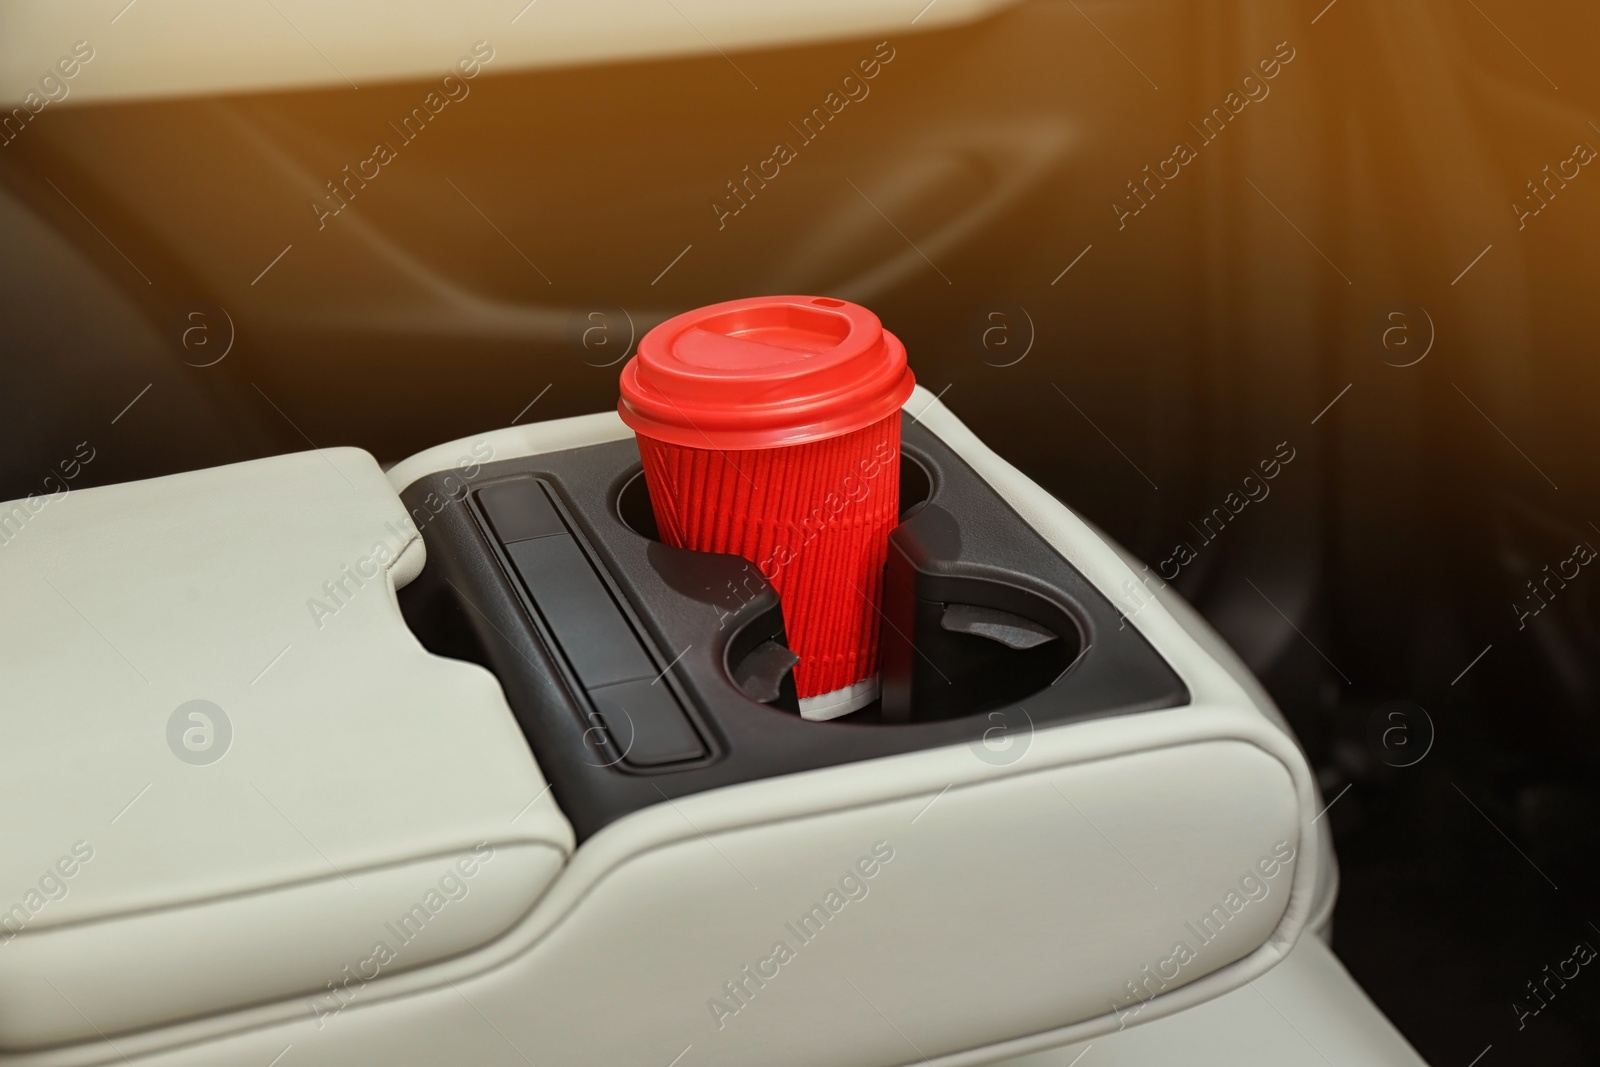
{"x": 764, "y": 371}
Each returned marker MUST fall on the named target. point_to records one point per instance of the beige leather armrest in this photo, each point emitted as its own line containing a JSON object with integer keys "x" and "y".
{"x": 336, "y": 777}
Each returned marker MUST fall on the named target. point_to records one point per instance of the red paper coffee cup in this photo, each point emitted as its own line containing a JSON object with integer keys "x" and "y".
{"x": 770, "y": 429}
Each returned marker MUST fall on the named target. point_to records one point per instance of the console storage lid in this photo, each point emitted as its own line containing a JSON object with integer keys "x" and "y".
{"x": 230, "y": 769}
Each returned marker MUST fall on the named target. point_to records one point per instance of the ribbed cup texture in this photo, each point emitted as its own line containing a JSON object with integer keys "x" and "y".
{"x": 814, "y": 518}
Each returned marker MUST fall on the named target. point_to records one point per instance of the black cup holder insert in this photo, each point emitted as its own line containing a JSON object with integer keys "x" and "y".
{"x": 982, "y": 618}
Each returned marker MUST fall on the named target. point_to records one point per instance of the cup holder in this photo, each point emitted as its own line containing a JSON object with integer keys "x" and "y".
{"x": 988, "y": 646}
{"x": 633, "y": 507}
{"x": 975, "y": 646}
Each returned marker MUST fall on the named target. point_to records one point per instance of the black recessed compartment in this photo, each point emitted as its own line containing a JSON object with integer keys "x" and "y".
{"x": 641, "y": 672}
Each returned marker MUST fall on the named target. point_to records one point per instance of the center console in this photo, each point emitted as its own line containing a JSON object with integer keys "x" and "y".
{"x": 1069, "y": 812}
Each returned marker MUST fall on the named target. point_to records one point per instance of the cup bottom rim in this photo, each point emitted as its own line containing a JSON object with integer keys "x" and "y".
{"x": 825, "y": 706}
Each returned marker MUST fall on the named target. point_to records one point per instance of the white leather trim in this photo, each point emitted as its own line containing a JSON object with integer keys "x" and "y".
{"x": 510, "y": 442}
{"x": 303, "y": 940}
{"x": 190, "y": 47}
{"x": 1327, "y": 894}
{"x": 1006, "y": 899}
{"x": 353, "y": 750}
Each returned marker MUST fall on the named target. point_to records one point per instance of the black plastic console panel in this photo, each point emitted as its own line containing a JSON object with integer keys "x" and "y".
{"x": 618, "y": 654}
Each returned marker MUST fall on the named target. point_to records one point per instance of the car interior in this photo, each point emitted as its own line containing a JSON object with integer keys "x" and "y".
{"x": 1235, "y": 692}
